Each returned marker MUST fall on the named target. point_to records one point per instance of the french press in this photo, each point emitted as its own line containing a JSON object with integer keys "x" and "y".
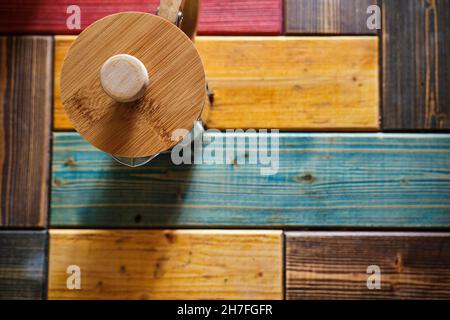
{"x": 132, "y": 79}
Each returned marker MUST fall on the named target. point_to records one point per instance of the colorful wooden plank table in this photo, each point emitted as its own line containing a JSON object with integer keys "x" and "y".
{"x": 225, "y": 231}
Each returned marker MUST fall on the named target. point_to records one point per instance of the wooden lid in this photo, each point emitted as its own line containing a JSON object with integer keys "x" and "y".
{"x": 170, "y": 98}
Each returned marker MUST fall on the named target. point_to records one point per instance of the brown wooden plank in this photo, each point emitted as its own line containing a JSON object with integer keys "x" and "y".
{"x": 416, "y": 64}
{"x": 291, "y": 83}
{"x": 327, "y": 16}
{"x": 333, "y": 265}
{"x": 23, "y": 260}
{"x": 163, "y": 264}
{"x": 25, "y": 110}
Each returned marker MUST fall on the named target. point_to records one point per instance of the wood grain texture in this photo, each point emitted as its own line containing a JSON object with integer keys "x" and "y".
{"x": 25, "y": 111}
{"x": 416, "y": 64}
{"x": 333, "y": 265}
{"x": 173, "y": 100}
{"x": 23, "y": 265}
{"x": 60, "y": 119}
{"x": 332, "y": 180}
{"x": 216, "y": 16}
{"x": 291, "y": 83}
{"x": 327, "y": 16}
{"x": 163, "y": 264}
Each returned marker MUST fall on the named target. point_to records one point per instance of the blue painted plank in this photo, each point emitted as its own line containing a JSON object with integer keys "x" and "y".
{"x": 331, "y": 180}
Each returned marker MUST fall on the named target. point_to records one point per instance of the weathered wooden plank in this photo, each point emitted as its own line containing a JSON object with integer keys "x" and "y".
{"x": 334, "y": 265}
{"x": 163, "y": 264}
{"x": 361, "y": 180}
{"x": 23, "y": 261}
{"x": 327, "y": 16}
{"x": 60, "y": 119}
{"x": 291, "y": 83}
{"x": 416, "y": 64}
{"x": 240, "y": 17}
{"x": 25, "y": 111}
{"x": 216, "y": 16}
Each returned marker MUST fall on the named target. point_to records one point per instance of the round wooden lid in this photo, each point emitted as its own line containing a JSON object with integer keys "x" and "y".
{"x": 103, "y": 68}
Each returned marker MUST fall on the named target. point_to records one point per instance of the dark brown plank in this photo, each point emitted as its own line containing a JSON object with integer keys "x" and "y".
{"x": 333, "y": 265}
{"x": 25, "y": 108}
{"x": 23, "y": 264}
{"x": 416, "y": 64}
{"x": 327, "y": 16}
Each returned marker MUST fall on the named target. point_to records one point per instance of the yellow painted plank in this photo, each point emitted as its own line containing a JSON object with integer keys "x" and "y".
{"x": 290, "y": 83}
{"x": 60, "y": 119}
{"x": 167, "y": 264}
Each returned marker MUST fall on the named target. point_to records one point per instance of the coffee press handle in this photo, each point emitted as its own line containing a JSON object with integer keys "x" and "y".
{"x": 169, "y": 9}
{"x": 183, "y": 13}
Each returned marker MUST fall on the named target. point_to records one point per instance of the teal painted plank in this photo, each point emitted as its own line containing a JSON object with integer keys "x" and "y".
{"x": 360, "y": 180}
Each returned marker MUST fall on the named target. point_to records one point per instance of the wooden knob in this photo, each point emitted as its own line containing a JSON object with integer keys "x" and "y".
{"x": 124, "y": 78}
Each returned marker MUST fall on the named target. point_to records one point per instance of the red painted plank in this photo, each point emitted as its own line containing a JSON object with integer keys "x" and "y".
{"x": 240, "y": 17}
{"x": 216, "y": 16}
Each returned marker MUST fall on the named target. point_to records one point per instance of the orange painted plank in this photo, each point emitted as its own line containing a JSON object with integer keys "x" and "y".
{"x": 163, "y": 264}
{"x": 290, "y": 83}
